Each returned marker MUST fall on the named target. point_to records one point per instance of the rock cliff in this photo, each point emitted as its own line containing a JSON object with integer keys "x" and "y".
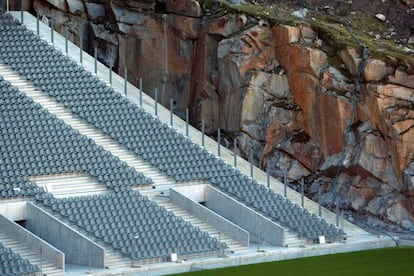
{"x": 287, "y": 88}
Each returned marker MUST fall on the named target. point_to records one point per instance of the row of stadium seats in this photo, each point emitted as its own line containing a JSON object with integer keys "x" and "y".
{"x": 12, "y": 264}
{"x": 49, "y": 143}
{"x": 100, "y": 105}
{"x": 133, "y": 224}
{"x": 48, "y": 146}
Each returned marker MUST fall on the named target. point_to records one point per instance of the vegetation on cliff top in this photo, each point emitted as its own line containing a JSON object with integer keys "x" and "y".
{"x": 330, "y": 28}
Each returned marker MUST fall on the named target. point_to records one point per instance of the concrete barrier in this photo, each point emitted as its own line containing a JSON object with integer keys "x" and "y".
{"x": 179, "y": 197}
{"x": 408, "y": 243}
{"x": 78, "y": 249}
{"x": 258, "y": 225}
{"x": 34, "y": 243}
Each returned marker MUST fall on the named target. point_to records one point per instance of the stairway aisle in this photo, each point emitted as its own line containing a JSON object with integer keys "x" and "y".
{"x": 46, "y": 267}
{"x": 234, "y": 246}
{"x": 159, "y": 178}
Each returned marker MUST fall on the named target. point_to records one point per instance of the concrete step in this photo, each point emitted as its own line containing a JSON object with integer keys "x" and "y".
{"x": 70, "y": 185}
{"x": 113, "y": 258}
{"x": 292, "y": 239}
{"x": 34, "y": 258}
{"x": 234, "y": 246}
{"x": 84, "y": 127}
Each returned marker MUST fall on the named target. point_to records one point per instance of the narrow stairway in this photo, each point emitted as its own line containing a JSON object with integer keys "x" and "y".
{"x": 234, "y": 246}
{"x": 35, "y": 258}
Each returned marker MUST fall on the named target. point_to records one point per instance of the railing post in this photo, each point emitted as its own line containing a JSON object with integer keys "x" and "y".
{"x": 140, "y": 92}
{"x": 268, "y": 175}
{"x": 125, "y": 81}
{"x": 110, "y": 73}
{"x": 235, "y": 152}
{"x": 171, "y": 112}
{"x": 37, "y": 22}
{"x": 51, "y": 31}
{"x": 156, "y": 102}
{"x": 302, "y": 191}
{"x": 202, "y": 131}
{"x": 187, "y": 119}
{"x": 251, "y": 163}
{"x": 66, "y": 40}
{"x": 21, "y": 10}
{"x": 218, "y": 141}
{"x": 337, "y": 212}
{"x": 96, "y": 60}
{"x": 319, "y": 202}
{"x": 285, "y": 183}
{"x": 80, "y": 48}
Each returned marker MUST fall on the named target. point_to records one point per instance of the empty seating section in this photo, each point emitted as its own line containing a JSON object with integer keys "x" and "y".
{"x": 35, "y": 142}
{"x": 141, "y": 132}
{"x": 133, "y": 224}
{"x": 12, "y": 264}
{"x": 277, "y": 207}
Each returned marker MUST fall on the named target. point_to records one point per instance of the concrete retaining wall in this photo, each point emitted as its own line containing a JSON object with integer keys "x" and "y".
{"x": 34, "y": 243}
{"x": 180, "y": 197}
{"x": 14, "y": 210}
{"x": 248, "y": 219}
{"x": 78, "y": 249}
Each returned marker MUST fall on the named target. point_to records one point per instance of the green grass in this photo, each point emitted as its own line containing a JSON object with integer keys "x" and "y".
{"x": 389, "y": 261}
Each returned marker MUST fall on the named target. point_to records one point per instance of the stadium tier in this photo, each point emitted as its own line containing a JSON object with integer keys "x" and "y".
{"x": 133, "y": 224}
{"x": 37, "y": 143}
{"x": 12, "y": 264}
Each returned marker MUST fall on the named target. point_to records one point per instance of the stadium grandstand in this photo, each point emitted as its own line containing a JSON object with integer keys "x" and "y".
{"x": 92, "y": 181}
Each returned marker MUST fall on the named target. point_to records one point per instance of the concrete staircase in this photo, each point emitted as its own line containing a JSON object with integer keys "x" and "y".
{"x": 46, "y": 268}
{"x": 292, "y": 239}
{"x": 69, "y": 185}
{"x": 234, "y": 246}
{"x": 159, "y": 178}
{"x": 113, "y": 258}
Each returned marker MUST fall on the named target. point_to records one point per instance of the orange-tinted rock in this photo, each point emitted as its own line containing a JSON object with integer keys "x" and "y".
{"x": 159, "y": 44}
{"x": 238, "y": 58}
{"x": 210, "y": 114}
{"x": 324, "y": 114}
{"x": 329, "y": 121}
{"x": 376, "y": 70}
{"x": 60, "y": 4}
{"x": 285, "y": 34}
{"x": 307, "y": 34}
{"x": 390, "y": 105}
{"x": 302, "y": 59}
{"x": 402, "y": 78}
{"x": 370, "y": 157}
{"x": 351, "y": 59}
{"x": 184, "y": 7}
{"x": 332, "y": 79}
{"x": 252, "y": 112}
{"x": 187, "y": 27}
{"x": 226, "y": 25}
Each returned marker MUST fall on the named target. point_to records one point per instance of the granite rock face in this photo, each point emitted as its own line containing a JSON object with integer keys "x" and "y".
{"x": 272, "y": 88}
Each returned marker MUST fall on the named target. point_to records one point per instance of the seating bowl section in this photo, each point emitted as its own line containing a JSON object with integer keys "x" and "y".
{"x": 35, "y": 142}
{"x": 132, "y": 223}
{"x": 77, "y": 89}
{"x": 12, "y": 264}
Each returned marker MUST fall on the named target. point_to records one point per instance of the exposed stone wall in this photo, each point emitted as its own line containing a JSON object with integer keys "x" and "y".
{"x": 272, "y": 88}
